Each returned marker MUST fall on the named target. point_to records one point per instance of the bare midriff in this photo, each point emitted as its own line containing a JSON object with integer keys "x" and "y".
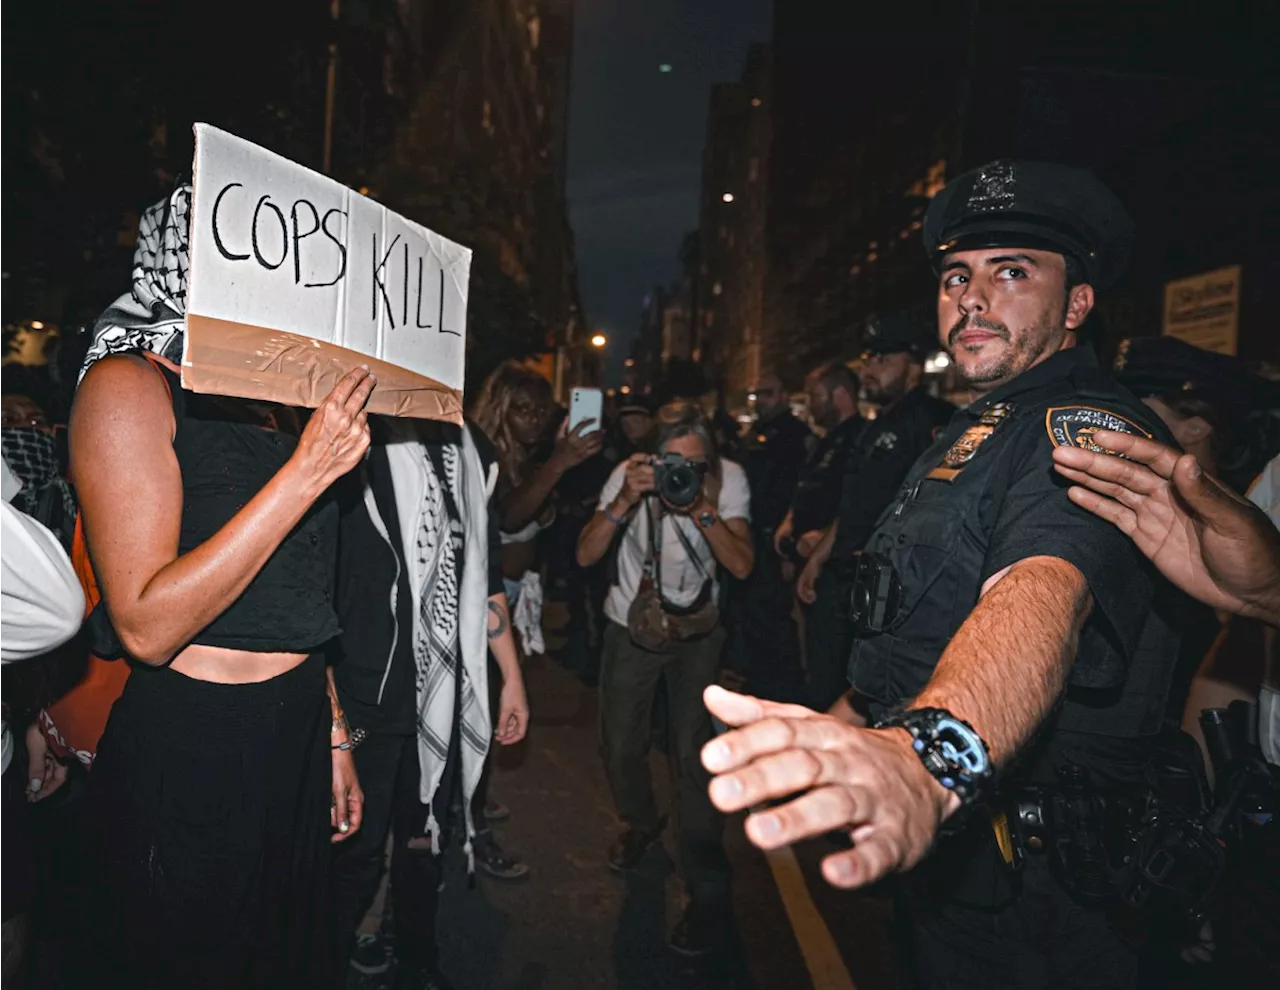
{"x": 223, "y": 666}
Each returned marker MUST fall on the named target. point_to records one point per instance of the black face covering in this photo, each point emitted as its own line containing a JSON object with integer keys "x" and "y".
{"x": 30, "y": 454}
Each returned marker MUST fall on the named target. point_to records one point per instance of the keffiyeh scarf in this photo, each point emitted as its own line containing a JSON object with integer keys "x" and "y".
{"x": 152, "y": 315}
{"x": 447, "y": 559}
{"x": 32, "y": 456}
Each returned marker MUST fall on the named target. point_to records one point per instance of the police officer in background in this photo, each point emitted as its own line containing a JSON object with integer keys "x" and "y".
{"x": 878, "y": 459}
{"x": 833, "y": 392}
{"x": 766, "y": 643}
{"x": 1007, "y": 648}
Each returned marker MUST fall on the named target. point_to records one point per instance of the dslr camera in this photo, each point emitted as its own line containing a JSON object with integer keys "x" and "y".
{"x": 677, "y": 480}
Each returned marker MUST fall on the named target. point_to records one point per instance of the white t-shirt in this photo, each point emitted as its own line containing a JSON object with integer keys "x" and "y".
{"x": 681, "y": 579}
{"x": 1265, "y": 490}
{"x": 42, "y": 600}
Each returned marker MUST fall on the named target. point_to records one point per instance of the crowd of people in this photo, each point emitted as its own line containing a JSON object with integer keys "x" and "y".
{"x": 970, "y": 641}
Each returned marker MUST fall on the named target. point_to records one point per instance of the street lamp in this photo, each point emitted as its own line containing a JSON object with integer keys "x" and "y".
{"x": 599, "y": 340}
{"x": 727, "y": 197}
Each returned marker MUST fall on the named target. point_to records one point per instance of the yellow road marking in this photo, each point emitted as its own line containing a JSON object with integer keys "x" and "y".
{"x": 822, "y": 959}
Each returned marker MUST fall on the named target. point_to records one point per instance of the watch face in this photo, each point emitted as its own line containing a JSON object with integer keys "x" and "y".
{"x": 706, "y": 519}
{"x": 962, "y": 747}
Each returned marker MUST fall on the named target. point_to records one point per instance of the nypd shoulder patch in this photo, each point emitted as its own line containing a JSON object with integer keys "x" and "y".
{"x": 1074, "y": 426}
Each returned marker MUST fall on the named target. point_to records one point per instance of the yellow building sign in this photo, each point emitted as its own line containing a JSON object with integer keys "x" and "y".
{"x": 1204, "y": 310}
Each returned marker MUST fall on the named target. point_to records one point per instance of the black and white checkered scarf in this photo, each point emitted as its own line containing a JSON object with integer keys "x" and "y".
{"x": 448, "y": 558}
{"x": 32, "y": 456}
{"x": 153, "y": 314}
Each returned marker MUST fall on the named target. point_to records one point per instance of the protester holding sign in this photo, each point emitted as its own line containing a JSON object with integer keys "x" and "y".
{"x": 214, "y": 543}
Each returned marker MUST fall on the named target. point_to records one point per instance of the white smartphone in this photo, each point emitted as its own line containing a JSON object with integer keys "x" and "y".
{"x": 586, "y": 403}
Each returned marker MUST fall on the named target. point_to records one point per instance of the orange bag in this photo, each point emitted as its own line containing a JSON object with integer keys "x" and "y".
{"x": 73, "y": 724}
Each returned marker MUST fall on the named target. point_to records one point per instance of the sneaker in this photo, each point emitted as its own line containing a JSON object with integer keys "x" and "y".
{"x": 372, "y": 954}
{"x": 493, "y": 860}
{"x": 629, "y": 848}
{"x": 693, "y": 937}
{"x": 496, "y": 811}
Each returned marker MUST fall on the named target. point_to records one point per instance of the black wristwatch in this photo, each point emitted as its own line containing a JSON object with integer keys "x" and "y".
{"x": 706, "y": 519}
{"x": 950, "y": 749}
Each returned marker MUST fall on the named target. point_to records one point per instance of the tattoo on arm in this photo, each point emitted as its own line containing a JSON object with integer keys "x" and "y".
{"x": 497, "y": 620}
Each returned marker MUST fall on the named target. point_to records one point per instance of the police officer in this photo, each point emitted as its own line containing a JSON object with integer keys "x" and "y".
{"x": 1216, "y": 407}
{"x": 1002, "y": 628}
{"x": 878, "y": 459}
{"x": 766, "y": 642}
{"x": 833, "y": 392}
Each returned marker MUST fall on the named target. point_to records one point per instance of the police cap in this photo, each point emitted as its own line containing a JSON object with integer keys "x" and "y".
{"x": 1039, "y": 205}
{"x": 914, "y": 331}
{"x": 1163, "y": 366}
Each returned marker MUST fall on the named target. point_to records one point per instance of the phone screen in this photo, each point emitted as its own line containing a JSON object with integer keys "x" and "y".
{"x": 586, "y": 403}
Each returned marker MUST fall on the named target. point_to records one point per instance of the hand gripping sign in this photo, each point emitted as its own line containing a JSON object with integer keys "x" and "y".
{"x": 295, "y": 279}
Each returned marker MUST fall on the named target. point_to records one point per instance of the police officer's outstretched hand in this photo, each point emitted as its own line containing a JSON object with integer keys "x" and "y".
{"x": 1210, "y": 542}
{"x": 868, "y": 782}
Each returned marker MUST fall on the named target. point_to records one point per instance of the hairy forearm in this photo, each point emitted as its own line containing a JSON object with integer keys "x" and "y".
{"x": 1006, "y": 666}
{"x": 188, "y": 593}
{"x": 502, "y": 640}
{"x": 521, "y": 506}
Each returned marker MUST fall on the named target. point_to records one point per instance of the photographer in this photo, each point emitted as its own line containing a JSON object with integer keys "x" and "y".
{"x": 678, "y": 517}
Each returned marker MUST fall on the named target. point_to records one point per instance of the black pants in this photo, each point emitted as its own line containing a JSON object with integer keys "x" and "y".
{"x": 766, "y": 643}
{"x": 212, "y": 805}
{"x": 629, "y": 679}
{"x": 828, "y": 641}
{"x": 387, "y": 766}
{"x": 1042, "y": 940}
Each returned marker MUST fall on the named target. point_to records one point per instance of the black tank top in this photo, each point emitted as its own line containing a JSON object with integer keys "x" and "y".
{"x": 288, "y": 607}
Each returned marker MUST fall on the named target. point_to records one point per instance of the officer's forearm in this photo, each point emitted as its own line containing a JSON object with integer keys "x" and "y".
{"x": 1005, "y": 667}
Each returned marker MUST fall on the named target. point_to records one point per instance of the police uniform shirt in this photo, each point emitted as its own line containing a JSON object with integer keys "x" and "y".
{"x": 773, "y": 452}
{"x": 986, "y": 496}
{"x": 817, "y": 497}
{"x": 880, "y": 459}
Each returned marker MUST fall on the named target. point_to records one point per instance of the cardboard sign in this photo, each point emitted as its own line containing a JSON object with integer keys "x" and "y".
{"x": 295, "y": 280}
{"x": 1204, "y": 310}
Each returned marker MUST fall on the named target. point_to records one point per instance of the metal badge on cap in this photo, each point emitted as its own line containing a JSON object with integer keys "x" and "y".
{"x": 993, "y": 188}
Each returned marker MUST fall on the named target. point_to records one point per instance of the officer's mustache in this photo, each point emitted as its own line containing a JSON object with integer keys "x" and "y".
{"x": 970, "y": 322}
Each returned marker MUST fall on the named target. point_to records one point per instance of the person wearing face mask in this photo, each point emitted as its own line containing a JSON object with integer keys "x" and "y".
{"x": 875, "y": 464}
{"x": 31, "y": 452}
{"x": 1009, "y": 645}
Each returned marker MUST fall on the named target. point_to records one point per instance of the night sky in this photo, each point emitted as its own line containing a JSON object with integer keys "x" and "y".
{"x": 635, "y": 141}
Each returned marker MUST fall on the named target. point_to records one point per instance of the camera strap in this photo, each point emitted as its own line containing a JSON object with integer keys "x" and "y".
{"x": 653, "y": 563}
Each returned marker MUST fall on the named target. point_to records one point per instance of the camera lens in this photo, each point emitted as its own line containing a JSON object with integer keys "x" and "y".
{"x": 680, "y": 486}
